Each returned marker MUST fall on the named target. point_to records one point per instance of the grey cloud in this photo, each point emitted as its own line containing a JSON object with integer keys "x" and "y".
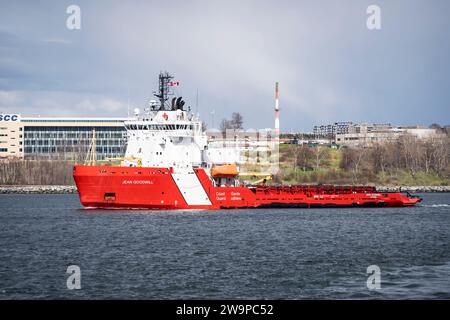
{"x": 330, "y": 67}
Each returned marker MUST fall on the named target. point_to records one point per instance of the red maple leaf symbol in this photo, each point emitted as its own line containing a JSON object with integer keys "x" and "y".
{"x": 165, "y": 116}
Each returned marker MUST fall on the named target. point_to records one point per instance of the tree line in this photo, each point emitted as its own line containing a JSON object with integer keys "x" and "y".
{"x": 408, "y": 153}
{"x": 36, "y": 172}
{"x": 380, "y": 163}
{"x": 236, "y": 122}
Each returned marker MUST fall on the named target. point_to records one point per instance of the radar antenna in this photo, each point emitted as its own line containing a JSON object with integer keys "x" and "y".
{"x": 164, "y": 89}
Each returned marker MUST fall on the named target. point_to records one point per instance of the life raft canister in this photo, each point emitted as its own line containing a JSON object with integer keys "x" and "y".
{"x": 227, "y": 170}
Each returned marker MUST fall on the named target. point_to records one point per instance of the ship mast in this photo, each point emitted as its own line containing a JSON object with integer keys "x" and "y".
{"x": 163, "y": 94}
{"x": 91, "y": 156}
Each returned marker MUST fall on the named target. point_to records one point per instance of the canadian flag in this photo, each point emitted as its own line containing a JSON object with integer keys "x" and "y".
{"x": 174, "y": 83}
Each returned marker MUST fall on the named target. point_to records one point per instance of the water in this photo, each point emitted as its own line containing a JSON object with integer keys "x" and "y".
{"x": 248, "y": 254}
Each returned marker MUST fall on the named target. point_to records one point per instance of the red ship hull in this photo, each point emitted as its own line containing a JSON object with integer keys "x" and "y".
{"x": 156, "y": 188}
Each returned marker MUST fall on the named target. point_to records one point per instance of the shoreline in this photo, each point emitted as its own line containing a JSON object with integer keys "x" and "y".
{"x": 46, "y": 189}
{"x": 37, "y": 189}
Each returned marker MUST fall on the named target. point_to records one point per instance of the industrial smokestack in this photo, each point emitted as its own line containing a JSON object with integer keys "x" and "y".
{"x": 277, "y": 110}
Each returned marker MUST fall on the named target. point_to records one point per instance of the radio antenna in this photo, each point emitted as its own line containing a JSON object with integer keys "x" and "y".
{"x": 196, "y": 102}
{"x": 128, "y": 103}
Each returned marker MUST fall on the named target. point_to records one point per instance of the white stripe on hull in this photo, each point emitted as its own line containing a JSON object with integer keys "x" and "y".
{"x": 191, "y": 188}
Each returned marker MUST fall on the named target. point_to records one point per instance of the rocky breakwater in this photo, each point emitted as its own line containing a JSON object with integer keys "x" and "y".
{"x": 38, "y": 189}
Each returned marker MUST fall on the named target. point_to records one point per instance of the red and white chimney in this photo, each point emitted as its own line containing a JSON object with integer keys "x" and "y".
{"x": 277, "y": 110}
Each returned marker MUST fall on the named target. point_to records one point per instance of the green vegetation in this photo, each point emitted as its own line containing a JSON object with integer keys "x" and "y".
{"x": 402, "y": 163}
{"x": 406, "y": 162}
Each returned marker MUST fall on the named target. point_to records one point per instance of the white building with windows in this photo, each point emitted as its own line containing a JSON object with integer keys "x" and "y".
{"x": 368, "y": 135}
{"x": 60, "y": 138}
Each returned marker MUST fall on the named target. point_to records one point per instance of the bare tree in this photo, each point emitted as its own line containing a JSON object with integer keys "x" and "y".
{"x": 321, "y": 155}
{"x": 303, "y": 157}
{"x": 224, "y": 125}
{"x": 237, "y": 121}
{"x": 379, "y": 158}
{"x": 352, "y": 160}
{"x": 36, "y": 172}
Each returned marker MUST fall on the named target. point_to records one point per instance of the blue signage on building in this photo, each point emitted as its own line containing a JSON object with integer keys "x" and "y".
{"x": 9, "y": 117}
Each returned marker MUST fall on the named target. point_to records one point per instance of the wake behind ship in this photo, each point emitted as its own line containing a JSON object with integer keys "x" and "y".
{"x": 168, "y": 165}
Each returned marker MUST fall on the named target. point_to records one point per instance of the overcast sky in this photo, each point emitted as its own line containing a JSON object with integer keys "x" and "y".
{"x": 330, "y": 66}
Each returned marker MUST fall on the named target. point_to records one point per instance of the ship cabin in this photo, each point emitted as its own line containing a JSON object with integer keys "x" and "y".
{"x": 225, "y": 175}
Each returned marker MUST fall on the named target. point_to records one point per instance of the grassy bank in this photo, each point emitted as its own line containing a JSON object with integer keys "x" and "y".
{"x": 328, "y": 170}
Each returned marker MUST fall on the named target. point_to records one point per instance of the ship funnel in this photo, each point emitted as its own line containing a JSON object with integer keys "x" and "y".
{"x": 173, "y": 103}
{"x": 178, "y": 103}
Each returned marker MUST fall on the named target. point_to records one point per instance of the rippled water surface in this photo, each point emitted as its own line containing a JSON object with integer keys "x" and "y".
{"x": 249, "y": 254}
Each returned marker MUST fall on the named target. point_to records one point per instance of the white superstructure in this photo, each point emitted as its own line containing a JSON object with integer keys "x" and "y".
{"x": 165, "y": 138}
{"x": 167, "y": 135}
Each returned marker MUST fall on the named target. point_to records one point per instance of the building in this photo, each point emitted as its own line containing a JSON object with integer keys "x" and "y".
{"x": 364, "y": 134}
{"x": 366, "y": 138}
{"x": 50, "y": 138}
{"x": 60, "y": 138}
{"x": 367, "y": 135}
{"x": 368, "y": 128}
{"x": 330, "y": 130}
